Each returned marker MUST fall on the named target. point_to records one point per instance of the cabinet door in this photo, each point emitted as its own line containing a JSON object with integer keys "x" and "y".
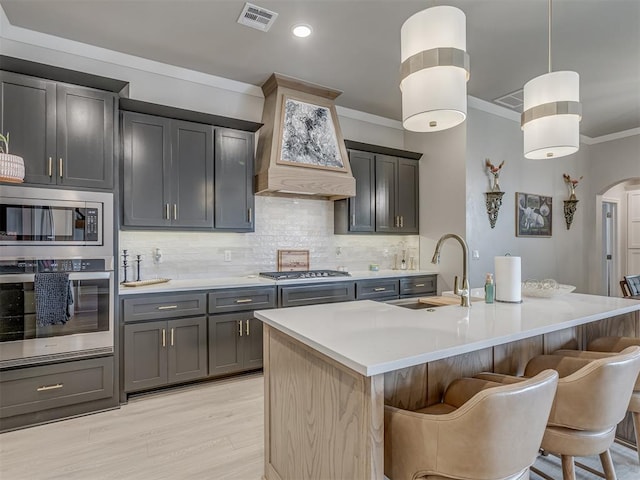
{"x": 84, "y": 137}
{"x": 145, "y": 355}
{"x": 191, "y": 174}
{"x": 234, "y": 180}
{"x": 226, "y": 333}
{"x": 252, "y": 349}
{"x": 362, "y": 207}
{"x": 187, "y": 349}
{"x": 147, "y": 156}
{"x": 28, "y": 114}
{"x": 386, "y": 183}
{"x": 407, "y": 191}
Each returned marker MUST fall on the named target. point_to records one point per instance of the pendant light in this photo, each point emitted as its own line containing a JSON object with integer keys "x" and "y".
{"x": 435, "y": 69}
{"x": 552, "y": 113}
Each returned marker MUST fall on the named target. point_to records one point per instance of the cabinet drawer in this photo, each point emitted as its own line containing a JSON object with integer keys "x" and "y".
{"x": 164, "y": 306}
{"x": 238, "y": 300}
{"x": 418, "y": 285}
{"x": 32, "y": 389}
{"x": 384, "y": 288}
{"x": 294, "y": 296}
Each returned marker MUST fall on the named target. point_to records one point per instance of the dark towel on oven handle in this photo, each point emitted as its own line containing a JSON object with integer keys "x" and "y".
{"x": 53, "y": 298}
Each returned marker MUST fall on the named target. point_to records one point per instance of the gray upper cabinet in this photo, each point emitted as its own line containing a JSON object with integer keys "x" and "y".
{"x": 387, "y": 195}
{"x": 64, "y": 133}
{"x": 168, "y": 172}
{"x": 234, "y": 180}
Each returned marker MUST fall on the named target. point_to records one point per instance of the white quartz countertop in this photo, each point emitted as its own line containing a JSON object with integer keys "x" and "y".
{"x": 373, "y": 338}
{"x": 184, "y": 285}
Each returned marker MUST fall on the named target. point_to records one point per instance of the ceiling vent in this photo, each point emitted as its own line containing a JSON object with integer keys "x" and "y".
{"x": 512, "y": 101}
{"x": 257, "y": 17}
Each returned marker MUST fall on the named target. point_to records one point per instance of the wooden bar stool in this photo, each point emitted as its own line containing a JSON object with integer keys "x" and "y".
{"x": 481, "y": 430}
{"x": 592, "y": 398}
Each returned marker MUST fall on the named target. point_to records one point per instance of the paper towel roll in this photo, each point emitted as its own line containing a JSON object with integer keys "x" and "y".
{"x": 508, "y": 279}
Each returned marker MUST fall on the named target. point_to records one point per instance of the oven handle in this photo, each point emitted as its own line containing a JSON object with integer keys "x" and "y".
{"x": 29, "y": 277}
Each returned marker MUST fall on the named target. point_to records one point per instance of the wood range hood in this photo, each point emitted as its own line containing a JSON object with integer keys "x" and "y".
{"x": 301, "y": 151}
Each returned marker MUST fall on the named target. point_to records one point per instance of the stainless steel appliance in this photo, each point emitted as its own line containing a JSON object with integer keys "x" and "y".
{"x": 302, "y": 275}
{"x": 68, "y": 223}
{"x": 51, "y": 230}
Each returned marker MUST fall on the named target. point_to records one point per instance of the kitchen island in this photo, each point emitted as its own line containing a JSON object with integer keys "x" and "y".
{"x": 330, "y": 369}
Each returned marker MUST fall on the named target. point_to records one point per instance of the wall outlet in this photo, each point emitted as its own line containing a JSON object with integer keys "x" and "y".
{"x": 227, "y": 255}
{"x": 156, "y": 255}
{"x": 475, "y": 255}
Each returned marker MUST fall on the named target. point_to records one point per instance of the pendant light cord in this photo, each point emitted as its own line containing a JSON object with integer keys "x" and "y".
{"x": 549, "y": 36}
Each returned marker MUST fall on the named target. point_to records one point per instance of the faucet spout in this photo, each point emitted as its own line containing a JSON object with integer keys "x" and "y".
{"x": 463, "y": 291}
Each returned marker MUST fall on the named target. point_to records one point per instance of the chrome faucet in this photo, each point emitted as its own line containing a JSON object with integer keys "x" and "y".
{"x": 464, "y": 290}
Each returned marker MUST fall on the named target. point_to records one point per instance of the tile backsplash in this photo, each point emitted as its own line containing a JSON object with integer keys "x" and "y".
{"x": 281, "y": 223}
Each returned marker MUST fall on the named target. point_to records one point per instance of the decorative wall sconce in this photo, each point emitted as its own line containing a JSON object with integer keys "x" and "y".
{"x": 493, "y": 199}
{"x": 570, "y": 205}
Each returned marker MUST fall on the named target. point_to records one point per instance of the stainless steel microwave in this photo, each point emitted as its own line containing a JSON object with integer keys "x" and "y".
{"x": 34, "y": 219}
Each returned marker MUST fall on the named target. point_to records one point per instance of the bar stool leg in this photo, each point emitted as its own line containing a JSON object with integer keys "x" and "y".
{"x": 636, "y": 429}
{"x": 607, "y": 464}
{"x": 568, "y": 468}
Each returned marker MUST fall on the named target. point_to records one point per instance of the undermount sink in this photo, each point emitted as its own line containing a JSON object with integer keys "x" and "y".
{"x": 412, "y": 304}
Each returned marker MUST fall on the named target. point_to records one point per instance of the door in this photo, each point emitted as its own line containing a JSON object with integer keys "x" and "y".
{"x": 84, "y": 137}
{"x": 234, "y": 197}
{"x": 226, "y": 332}
{"x": 633, "y": 233}
{"x": 252, "y": 342}
{"x": 191, "y": 174}
{"x": 28, "y": 114}
{"x": 407, "y": 191}
{"x": 386, "y": 182}
{"x": 145, "y": 355}
{"x": 187, "y": 349}
{"x": 609, "y": 253}
{"x": 362, "y": 207}
{"x": 147, "y": 156}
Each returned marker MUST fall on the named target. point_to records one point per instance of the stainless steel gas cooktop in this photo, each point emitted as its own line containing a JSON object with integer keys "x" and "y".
{"x": 303, "y": 275}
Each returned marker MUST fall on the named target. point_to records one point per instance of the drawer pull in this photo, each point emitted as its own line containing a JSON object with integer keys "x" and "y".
{"x": 167, "y": 307}
{"x": 244, "y": 300}
{"x": 419, "y": 285}
{"x": 379, "y": 289}
{"x": 50, "y": 387}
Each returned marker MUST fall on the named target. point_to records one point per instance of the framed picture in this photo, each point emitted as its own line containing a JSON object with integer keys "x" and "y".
{"x": 308, "y": 136}
{"x": 533, "y": 215}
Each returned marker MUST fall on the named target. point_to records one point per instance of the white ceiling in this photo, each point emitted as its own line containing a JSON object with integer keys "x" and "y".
{"x": 355, "y": 46}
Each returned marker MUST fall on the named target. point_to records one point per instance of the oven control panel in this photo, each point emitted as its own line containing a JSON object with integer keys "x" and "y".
{"x": 62, "y": 265}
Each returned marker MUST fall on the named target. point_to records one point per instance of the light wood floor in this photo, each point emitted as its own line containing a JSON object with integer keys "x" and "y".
{"x": 208, "y": 431}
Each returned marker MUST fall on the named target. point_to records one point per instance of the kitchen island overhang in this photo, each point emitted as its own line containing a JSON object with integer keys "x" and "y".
{"x": 330, "y": 369}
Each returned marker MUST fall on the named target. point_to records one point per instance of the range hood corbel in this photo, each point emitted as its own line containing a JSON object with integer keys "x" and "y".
{"x": 280, "y": 172}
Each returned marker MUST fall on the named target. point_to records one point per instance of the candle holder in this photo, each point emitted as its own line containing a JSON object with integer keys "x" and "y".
{"x": 493, "y": 202}
{"x": 570, "y": 207}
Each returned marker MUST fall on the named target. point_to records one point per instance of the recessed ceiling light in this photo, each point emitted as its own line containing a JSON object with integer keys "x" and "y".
{"x": 301, "y": 30}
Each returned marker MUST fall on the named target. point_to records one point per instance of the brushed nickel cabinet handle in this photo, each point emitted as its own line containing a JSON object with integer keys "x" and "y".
{"x": 60, "y": 165}
{"x": 167, "y": 307}
{"x": 175, "y": 211}
{"x": 401, "y": 221}
{"x": 250, "y": 214}
{"x": 50, "y": 387}
{"x": 247, "y": 329}
{"x": 353, "y": 219}
{"x": 379, "y": 289}
{"x": 244, "y": 300}
{"x": 240, "y": 327}
{"x": 166, "y": 208}
{"x": 172, "y": 337}
{"x": 50, "y": 166}
{"x": 164, "y": 337}
{"x": 419, "y": 285}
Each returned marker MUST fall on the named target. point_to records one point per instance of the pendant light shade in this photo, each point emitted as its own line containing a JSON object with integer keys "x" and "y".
{"x": 551, "y": 118}
{"x": 551, "y": 113}
{"x": 434, "y": 70}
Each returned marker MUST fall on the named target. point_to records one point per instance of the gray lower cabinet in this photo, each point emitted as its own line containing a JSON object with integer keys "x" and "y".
{"x": 418, "y": 285}
{"x": 378, "y": 289}
{"x": 168, "y": 172}
{"x": 55, "y": 386}
{"x": 235, "y": 343}
{"x": 316, "y": 293}
{"x": 164, "y": 352}
{"x": 64, "y": 133}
